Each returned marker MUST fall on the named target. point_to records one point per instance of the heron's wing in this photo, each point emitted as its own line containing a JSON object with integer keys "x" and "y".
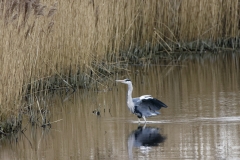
{"x": 150, "y": 102}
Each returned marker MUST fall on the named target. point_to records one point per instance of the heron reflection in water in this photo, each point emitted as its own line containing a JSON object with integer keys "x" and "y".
{"x": 144, "y": 137}
{"x": 144, "y": 106}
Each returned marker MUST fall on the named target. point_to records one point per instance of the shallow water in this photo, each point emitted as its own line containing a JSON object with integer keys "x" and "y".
{"x": 202, "y": 120}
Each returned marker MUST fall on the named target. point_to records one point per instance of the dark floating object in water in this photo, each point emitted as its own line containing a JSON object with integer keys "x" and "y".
{"x": 144, "y": 106}
{"x": 97, "y": 112}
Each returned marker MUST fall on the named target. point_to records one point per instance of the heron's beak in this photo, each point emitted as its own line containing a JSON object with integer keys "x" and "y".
{"x": 120, "y": 81}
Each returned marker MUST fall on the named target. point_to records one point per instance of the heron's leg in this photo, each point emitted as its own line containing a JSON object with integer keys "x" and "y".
{"x": 144, "y": 126}
{"x": 139, "y": 120}
{"x": 144, "y": 118}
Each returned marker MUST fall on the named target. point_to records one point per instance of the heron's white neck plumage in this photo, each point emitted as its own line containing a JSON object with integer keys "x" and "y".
{"x": 130, "y": 103}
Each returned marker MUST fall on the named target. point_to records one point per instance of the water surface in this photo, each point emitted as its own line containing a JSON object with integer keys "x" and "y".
{"x": 202, "y": 120}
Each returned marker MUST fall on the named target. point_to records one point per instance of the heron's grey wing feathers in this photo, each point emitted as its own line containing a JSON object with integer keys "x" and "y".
{"x": 153, "y": 103}
{"x": 147, "y": 105}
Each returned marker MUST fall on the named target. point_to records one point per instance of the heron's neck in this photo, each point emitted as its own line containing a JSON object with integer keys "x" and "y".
{"x": 129, "y": 94}
{"x": 130, "y": 103}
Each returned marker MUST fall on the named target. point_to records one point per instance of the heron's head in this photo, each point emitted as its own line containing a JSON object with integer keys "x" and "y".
{"x": 125, "y": 81}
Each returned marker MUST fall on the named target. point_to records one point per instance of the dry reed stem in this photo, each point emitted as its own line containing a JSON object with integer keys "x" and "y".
{"x": 42, "y": 39}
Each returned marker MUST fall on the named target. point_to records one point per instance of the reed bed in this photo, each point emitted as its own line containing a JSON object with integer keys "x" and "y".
{"x": 68, "y": 44}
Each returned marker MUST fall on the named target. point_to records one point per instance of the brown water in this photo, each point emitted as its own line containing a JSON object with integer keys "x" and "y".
{"x": 201, "y": 122}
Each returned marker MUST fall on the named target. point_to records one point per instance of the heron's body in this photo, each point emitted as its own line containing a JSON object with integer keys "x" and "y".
{"x": 144, "y": 106}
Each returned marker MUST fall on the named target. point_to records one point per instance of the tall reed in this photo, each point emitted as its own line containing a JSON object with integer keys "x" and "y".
{"x": 72, "y": 39}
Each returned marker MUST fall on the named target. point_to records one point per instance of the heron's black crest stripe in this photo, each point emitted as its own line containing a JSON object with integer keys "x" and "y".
{"x": 127, "y": 80}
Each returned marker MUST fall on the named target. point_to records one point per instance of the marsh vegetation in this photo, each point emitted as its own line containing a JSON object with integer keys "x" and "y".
{"x": 49, "y": 46}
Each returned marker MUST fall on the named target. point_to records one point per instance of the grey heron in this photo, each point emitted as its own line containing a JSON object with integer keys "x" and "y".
{"x": 144, "y": 106}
